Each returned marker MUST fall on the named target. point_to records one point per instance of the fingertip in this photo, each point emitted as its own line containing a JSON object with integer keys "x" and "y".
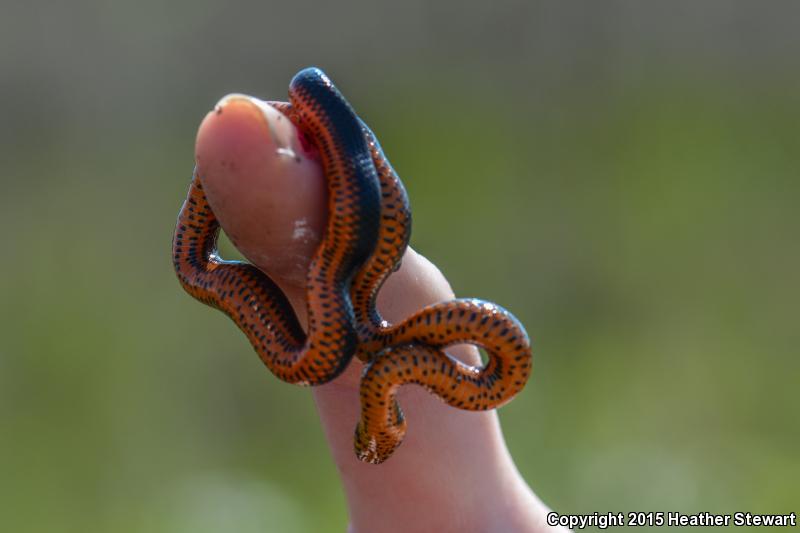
{"x": 266, "y": 188}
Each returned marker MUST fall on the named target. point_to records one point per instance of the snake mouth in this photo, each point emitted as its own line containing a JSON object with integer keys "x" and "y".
{"x": 308, "y": 148}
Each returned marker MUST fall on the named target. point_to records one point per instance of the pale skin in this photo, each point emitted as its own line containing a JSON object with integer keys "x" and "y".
{"x": 453, "y": 472}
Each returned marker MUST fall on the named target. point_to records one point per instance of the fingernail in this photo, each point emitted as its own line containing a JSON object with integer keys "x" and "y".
{"x": 281, "y": 130}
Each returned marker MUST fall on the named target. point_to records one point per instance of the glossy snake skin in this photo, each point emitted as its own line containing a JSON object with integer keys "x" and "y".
{"x": 366, "y": 235}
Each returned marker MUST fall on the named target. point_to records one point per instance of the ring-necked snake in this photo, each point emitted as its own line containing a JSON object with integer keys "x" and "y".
{"x": 367, "y": 232}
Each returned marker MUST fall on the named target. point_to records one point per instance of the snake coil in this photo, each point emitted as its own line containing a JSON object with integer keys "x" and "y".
{"x": 367, "y": 232}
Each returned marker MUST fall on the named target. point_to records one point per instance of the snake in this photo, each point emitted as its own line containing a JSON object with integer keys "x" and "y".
{"x": 366, "y": 234}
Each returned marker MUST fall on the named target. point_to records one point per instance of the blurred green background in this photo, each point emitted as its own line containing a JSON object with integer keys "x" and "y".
{"x": 621, "y": 175}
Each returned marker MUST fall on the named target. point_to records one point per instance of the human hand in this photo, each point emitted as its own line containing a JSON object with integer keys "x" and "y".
{"x": 453, "y": 472}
